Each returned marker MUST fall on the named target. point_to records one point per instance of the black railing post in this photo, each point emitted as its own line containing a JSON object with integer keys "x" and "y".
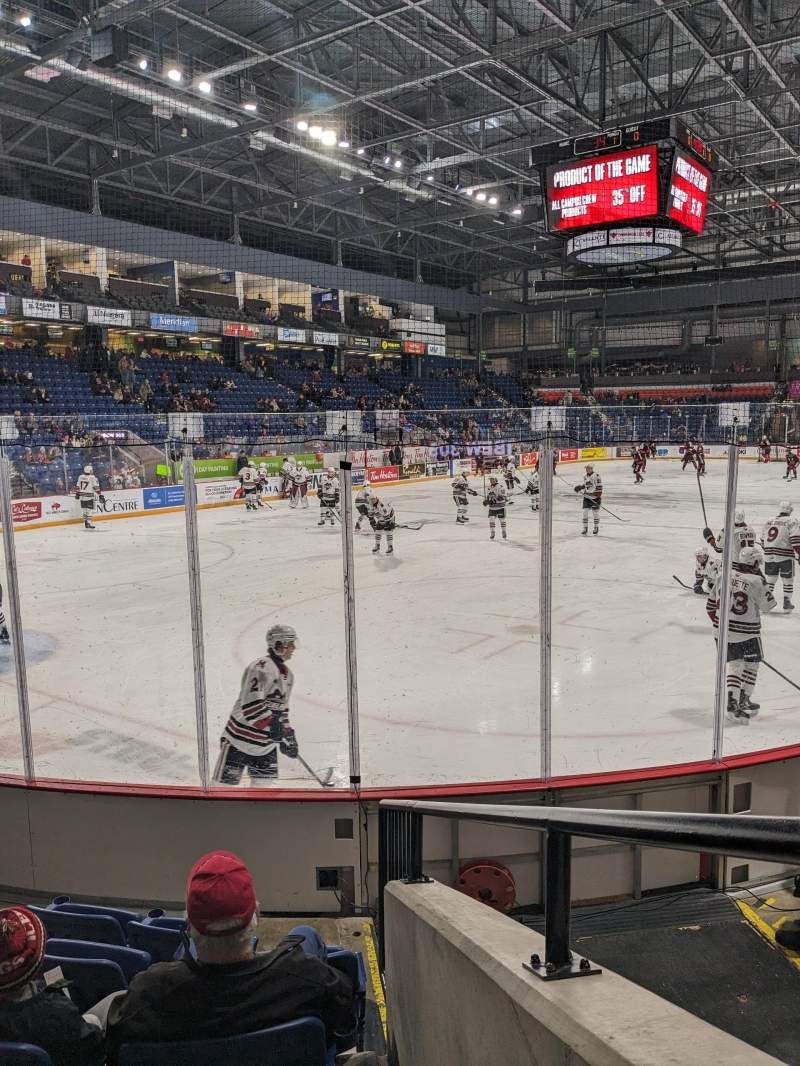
{"x": 558, "y": 877}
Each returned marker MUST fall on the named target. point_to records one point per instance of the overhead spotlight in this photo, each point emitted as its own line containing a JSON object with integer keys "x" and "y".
{"x": 143, "y": 64}
{"x": 398, "y": 164}
{"x": 25, "y": 20}
{"x": 315, "y": 132}
{"x": 184, "y": 133}
{"x": 329, "y": 138}
{"x": 250, "y": 106}
{"x": 174, "y": 73}
{"x": 480, "y": 196}
{"x": 344, "y": 143}
{"x": 204, "y": 86}
{"x": 517, "y": 211}
{"x": 360, "y": 151}
{"x": 387, "y": 160}
{"x": 302, "y": 125}
{"x": 430, "y": 177}
{"x": 468, "y": 192}
{"x": 492, "y": 200}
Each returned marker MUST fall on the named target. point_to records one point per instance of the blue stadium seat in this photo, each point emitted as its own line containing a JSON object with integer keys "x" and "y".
{"x": 351, "y": 963}
{"x": 298, "y": 1043}
{"x": 164, "y": 921}
{"x": 23, "y": 1055}
{"x": 64, "y": 903}
{"x": 90, "y": 979}
{"x": 130, "y": 960}
{"x": 162, "y": 944}
{"x": 67, "y": 926}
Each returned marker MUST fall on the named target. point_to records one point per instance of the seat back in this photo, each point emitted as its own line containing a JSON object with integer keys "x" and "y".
{"x": 90, "y": 979}
{"x": 297, "y": 1043}
{"x": 351, "y": 964}
{"x": 68, "y": 926}
{"x": 130, "y": 960}
{"x": 64, "y": 903}
{"x": 162, "y": 944}
{"x": 23, "y": 1055}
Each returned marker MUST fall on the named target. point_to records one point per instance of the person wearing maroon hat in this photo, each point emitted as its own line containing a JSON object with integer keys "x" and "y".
{"x": 33, "y": 1011}
{"x": 229, "y": 989}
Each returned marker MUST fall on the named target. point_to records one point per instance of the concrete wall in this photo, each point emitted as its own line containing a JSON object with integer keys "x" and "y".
{"x": 458, "y": 996}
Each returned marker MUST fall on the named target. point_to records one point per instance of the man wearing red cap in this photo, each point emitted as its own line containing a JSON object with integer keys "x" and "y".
{"x": 229, "y": 989}
{"x": 33, "y": 1012}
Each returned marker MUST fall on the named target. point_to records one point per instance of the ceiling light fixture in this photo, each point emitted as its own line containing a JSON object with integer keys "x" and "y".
{"x": 329, "y": 138}
{"x": 398, "y": 164}
{"x": 492, "y": 200}
{"x": 315, "y": 132}
{"x": 251, "y": 106}
{"x": 174, "y": 73}
{"x": 25, "y": 20}
{"x": 430, "y": 177}
{"x": 143, "y": 64}
{"x": 344, "y": 143}
{"x": 387, "y": 160}
{"x": 517, "y": 211}
{"x": 204, "y": 86}
{"x": 302, "y": 125}
{"x": 468, "y": 192}
{"x": 481, "y": 196}
{"x": 360, "y": 151}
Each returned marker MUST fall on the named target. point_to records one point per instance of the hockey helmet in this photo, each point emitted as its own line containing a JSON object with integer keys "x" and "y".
{"x": 749, "y": 557}
{"x": 738, "y": 517}
{"x": 492, "y": 480}
{"x": 262, "y": 466}
{"x": 291, "y": 459}
{"x": 701, "y": 553}
{"x": 279, "y": 636}
{"x": 589, "y": 468}
{"x": 251, "y": 464}
{"x": 368, "y": 492}
{"x": 330, "y": 472}
{"x": 785, "y": 507}
{"x": 88, "y": 469}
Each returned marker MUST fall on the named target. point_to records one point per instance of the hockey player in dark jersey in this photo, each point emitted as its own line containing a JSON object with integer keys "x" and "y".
{"x": 700, "y": 458}
{"x": 4, "y": 634}
{"x": 689, "y": 455}
{"x": 764, "y": 450}
{"x": 638, "y": 464}
{"x": 791, "y": 463}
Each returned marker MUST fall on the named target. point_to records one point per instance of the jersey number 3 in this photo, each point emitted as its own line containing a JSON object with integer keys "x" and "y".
{"x": 739, "y": 605}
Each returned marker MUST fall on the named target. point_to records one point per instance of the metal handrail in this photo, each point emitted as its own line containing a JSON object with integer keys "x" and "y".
{"x": 768, "y": 839}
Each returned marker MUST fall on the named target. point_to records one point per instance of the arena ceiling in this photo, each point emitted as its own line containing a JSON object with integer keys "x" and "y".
{"x": 430, "y": 99}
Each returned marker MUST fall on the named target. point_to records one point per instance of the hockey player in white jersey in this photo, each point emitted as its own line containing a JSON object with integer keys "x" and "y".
{"x": 258, "y": 726}
{"x": 364, "y": 505}
{"x": 510, "y": 475}
{"x": 263, "y": 482}
{"x": 592, "y": 490}
{"x": 750, "y": 597}
{"x": 461, "y": 491}
{"x": 383, "y": 521}
{"x": 301, "y": 480}
{"x": 532, "y": 489}
{"x": 87, "y": 492}
{"x": 496, "y": 500}
{"x": 744, "y": 536}
{"x": 249, "y": 481}
{"x": 781, "y": 541}
{"x": 328, "y": 496}
{"x": 5, "y": 637}
{"x": 287, "y": 470}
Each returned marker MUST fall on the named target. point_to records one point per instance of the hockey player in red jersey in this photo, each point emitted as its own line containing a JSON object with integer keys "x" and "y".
{"x": 791, "y": 464}
{"x": 638, "y": 465}
{"x": 764, "y": 450}
{"x": 688, "y": 455}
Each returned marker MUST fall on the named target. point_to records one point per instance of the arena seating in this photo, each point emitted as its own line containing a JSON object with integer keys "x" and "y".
{"x": 23, "y": 1055}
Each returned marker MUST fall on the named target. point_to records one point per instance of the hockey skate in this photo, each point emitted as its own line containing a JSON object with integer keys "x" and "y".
{"x": 491, "y": 535}
{"x": 584, "y": 532}
{"x": 787, "y": 604}
{"x": 747, "y": 705}
{"x": 88, "y": 525}
{"x": 376, "y": 549}
{"x": 734, "y": 712}
{"x": 595, "y": 531}
{"x": 321, "y": 522}
{"x": 5, "y": 636}
{"x": 390, "y": 550}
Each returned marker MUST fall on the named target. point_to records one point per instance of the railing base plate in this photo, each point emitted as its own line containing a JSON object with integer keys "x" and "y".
{"x": 549, "y": 972}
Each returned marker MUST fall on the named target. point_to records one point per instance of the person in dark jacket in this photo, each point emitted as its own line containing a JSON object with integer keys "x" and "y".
{"x": 33, "y": 1011}
{"x": 229, "y": 989}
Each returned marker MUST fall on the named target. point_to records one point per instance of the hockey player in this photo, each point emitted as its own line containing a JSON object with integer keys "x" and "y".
{"x": 287, "y": 470}
{"x": 532, "y": 489}
{"x": 263, "y": 482}
{"x": 5, "y": 638}
{"x": 638, "y": 464}
{"x": 700, "y": 457}
{"x": 363, "y": 502}
{"x": 744, "y": 536}
{"x": 764, "y": 450}
{"x": 248, "y": 479}
{"x": 87, "y": 492}
{"x": 688, "y": 455}
{"x": 592, "y": 489}
{"x": 258, "y": 725}
{"x": 781, "y": 541}
{"x": 461, "y": 490}
{"x": 706, "y": 570}
{"x": 383, "y": 521}
{"x": 328, "y": 496}
{"x": 496, "y": 500}
{"x": 301, "y": 480}
{"x": 792, "y": 460}
{"x": 750, "y": 596}
{"x": 644, "y": 452}
{"x": 510, "y": 475}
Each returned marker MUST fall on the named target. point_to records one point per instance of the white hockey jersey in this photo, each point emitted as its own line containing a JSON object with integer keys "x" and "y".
{"x": 744, "y": 536}
{"x": 496, "y": 498}
{"x": 383, "y": 516}
{"x": 460, "y": 485}
{"x": 750, "y": 596}
{"x": 781, "y": 538}
{"x": 262, "y": 706}
{"x": 364, "y": 497}
{"x": 300, "y": 475}
{"x": 329, "y": 490}
{"x": 248, "y": 477}
{"x": 533, "y": 483}
{"x": 593, "y": 486}
{"x": 87, "y": 486}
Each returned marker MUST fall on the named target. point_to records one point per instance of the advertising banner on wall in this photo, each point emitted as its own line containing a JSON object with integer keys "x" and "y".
{"x": 173, "y": 323}
{"x": 593, "y": 453}
{"x": 41, "y": 309}
{"x": 389, "y": 346}
{"x": 437, "y": 469}
{"x": 163, "y": 496}
{"x": 412, "y": 470}
{"x": 378, "y": 474}
{"x": 414, "y": 347}
{"x": 2, "y": 303}
{"x": 329, "y": 339}
{"x": 293, "y": 336}
{"x": 462, "y": 466}
{"x": 45, "y": 509}
{"x": 437, "y": 349}
{"x": 358, "y": 342}
{"x": 108, "y": 316}
{"x": 241, "y": 329}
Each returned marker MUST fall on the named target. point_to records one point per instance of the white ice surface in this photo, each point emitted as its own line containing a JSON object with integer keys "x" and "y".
{"x": 448, "y": 637}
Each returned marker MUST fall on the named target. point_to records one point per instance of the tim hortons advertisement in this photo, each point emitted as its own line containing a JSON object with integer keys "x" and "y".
{"x": 378, "y": 474}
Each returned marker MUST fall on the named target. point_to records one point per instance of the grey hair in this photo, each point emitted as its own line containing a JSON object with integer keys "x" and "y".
{"x": 224, "y": 947}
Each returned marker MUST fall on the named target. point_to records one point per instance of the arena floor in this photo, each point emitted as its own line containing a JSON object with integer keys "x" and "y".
{"x": 448, "y": 637}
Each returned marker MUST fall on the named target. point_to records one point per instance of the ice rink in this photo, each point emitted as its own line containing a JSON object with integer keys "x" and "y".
{"x": 447, "y": 630}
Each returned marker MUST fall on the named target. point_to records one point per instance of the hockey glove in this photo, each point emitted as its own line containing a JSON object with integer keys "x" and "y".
{"x": 579, "y": 488}
{"x": 472, "y": 492}
{"x": 288, "y": 743}
{"x": 709, "y": 536}
{"x": 485, "y": 503}
{"x": 101, "y": 498}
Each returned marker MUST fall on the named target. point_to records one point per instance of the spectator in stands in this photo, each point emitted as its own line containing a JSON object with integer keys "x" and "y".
{"x": 230, "y": 989}
{"x": 32, "y": 1012}
{"x": 26, "y": 260}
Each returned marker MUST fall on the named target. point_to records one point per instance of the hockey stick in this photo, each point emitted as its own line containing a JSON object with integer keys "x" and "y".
{"x": 681, "y": 583}
{"x": 769, "y": 666}
{"x": 324, "y": 782}
{"x": 409, "y": 525}
{"x": 603, "y": 507}
{"x": 702, "y": 501}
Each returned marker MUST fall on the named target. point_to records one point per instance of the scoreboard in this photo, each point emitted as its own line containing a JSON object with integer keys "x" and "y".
{"x": 687, "y": 196}
{"x": 617, "y": 187}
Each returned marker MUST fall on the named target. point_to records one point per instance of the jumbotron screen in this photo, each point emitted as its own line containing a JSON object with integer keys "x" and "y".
{"x": 689, "y": 185}
{"x": 603, "y": 189}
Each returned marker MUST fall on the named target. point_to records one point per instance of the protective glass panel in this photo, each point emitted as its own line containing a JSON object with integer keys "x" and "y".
{"x": 271, "y": 559}
{"x": 448, "y": 636}
{"x": 10, "y": 742}
{"x": 761, "y": 671}
{"x": 104, "y": 598}
{"x": 633, "y": 659}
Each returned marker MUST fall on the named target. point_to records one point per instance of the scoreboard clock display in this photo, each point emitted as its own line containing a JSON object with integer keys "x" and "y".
{"x": 687, "y": 195}
{"x": 610, "y": 188}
